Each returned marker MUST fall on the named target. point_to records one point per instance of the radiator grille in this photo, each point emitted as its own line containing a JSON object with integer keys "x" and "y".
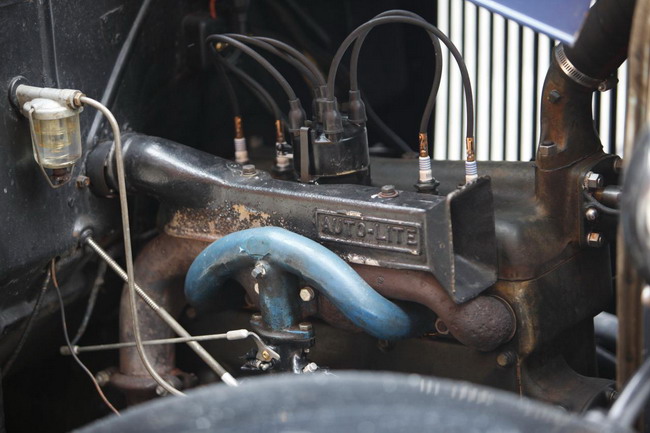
{"x": 507, "y": 64}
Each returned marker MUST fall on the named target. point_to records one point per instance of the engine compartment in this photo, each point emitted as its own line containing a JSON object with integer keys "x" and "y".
{"x": 277, "y": 224}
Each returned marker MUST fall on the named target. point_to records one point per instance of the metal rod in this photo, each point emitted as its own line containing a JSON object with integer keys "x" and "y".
{"x": 166, "y": 317}
{"x": 94, "y": 348}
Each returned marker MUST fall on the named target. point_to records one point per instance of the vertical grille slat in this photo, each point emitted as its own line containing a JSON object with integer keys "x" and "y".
{"x": 507, "y": 64}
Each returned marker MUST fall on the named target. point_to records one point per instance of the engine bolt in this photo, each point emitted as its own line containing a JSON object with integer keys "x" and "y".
{"x": 307, "y": 294}
{"x": 82, "y": 181}
{"x": 312, "y": 367}
{"x": 248, "y": 170}
{"x": 591, "y": 214}
{"x": 617, "y": 165}
{"x": 305, "y": 326}
{"x": 594, "y": 240}
{"x": 547, "y": 149}
{"x": 388, "y": 191}
{"x": 554, "y": 96}
{"x": 441, "y": 327}
{"x": 103, "y": 377}
{"x": 506, "y": 359}
{"x": 592, "y": 180}
{"x": 259, "y": 271}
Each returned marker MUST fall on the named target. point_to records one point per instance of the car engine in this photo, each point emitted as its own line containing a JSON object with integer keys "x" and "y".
{"x": 227, "y": 215}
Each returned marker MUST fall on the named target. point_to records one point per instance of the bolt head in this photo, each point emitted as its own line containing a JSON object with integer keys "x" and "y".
{"x": 307, "y": 294}
{"x": 554, "y": 96}
{"x": 595, "y": 240}
{"x": 617, "y": 165}
{"x": 82, "y": 181}
{"x": 259, "y": 271}
{"x": 591, "y": 214}
{"x": 441, "y": 327}
{"x": 248, "y": 170}
{"x": 312, "y": 367}
{"x": 547, "y": 148}
{"x": 506, "y": 359}
{"x": 305, "y": 326}
{"x": 103, "y": 378}
{"x": 593, "y": 180}
{"x": 266, "y": 355}
{"x": 160, "y": 391}
{"x": 388, "y": 191}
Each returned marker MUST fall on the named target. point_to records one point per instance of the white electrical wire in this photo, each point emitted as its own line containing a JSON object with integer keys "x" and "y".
{"x": 128, "y": 253}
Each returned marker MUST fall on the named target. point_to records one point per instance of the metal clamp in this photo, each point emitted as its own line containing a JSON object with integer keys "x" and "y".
{"x": 576, "y": 75}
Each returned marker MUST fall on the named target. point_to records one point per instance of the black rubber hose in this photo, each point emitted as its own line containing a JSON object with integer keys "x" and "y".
{"x": 259, "y": 59}
{"x": 431, "y": 101}
{"x": 602, "y": 44}
{"x": 259, "y": 43}
{"x": 362, "y": 29}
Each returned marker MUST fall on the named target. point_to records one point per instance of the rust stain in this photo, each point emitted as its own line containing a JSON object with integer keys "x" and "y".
{"x": 213, "y": 224}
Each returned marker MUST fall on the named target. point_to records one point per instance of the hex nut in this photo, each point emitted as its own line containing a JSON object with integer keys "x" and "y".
{"x": 259, "y": 271}
{"x": 312, "y": 367}
{"x": 388, "y": 191}
{"x": 305, "y": 326}
{"x": 307, "y": 294}
{"x": 547, "y": 148}
{"x": 595, "y": 240}
{"x": 103, "y": 377}
{"x": 82, "y": 181}
{"x": 593, "y": 180}
{"x": 248, "y": 170}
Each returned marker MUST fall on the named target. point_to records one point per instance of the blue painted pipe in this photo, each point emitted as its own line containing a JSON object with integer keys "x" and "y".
{"x": 319, "y": 267}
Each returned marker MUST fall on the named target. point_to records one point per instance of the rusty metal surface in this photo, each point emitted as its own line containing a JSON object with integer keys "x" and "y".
{"x": 483, "y": 323}
{"x": 455, "y": 232}
{"x": 159, "y": 270}
{"x": 550, "y": 305}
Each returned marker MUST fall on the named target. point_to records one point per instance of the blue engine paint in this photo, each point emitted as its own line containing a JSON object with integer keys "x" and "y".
{"x": 318, "y": 266}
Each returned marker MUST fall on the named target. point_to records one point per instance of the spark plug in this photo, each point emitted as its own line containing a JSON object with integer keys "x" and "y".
{"x": 282, "y": 157}
{"x": 426, "y": 182}
{"x": 241, "y": 151}
{"x": 471, "y": 170}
